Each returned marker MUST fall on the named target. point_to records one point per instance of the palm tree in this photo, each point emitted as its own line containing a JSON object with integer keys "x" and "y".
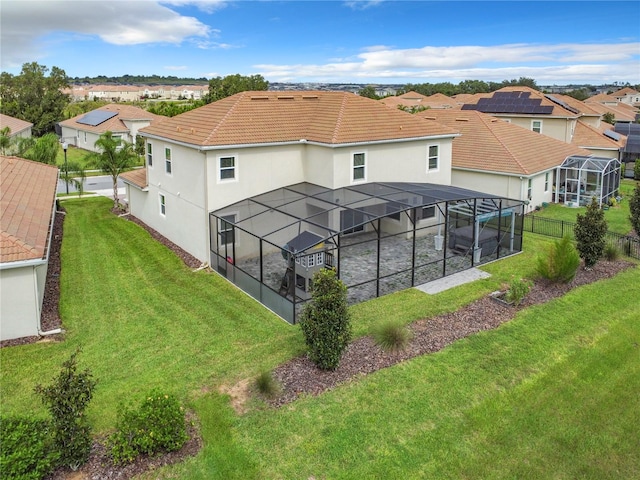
{"x": 115, "y": 157}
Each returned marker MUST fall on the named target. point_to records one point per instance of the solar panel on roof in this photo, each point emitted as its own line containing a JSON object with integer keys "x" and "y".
{"x": 612, "y": 134}
{"x": 97, "y": 117}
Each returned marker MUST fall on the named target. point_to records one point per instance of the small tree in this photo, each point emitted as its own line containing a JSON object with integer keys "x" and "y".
{"x": 115, "y": 157}
{"x": 609, "y": 118}
{"x": 66, "y": 399}
{"x": 325, "y": 320}
{"x": 590, "y": 231}
{"x": 634, "y": 208}
{"x": 44, "y": 149}
{"x": 561, "y": 263}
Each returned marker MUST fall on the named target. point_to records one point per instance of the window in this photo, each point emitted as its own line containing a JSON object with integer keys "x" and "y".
{"x": 225, "y": 229}
{"x": 432, "y": 163}
{"x": 227, "y": 168}
{"x": 359, "y": 173}
{"x": 149, "y": 155}
{"x": 167, "y": 160}
{"x": 163, "y": 208}
{"x": 546, "y": 182}
{"x": 429, "y": 212}
{"x": 529, "y": 185}
{"x": 85, "y": 137}
{"x": 536, "y": 126}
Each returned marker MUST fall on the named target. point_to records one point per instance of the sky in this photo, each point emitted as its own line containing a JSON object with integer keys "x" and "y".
{"x": 372, "y": 42}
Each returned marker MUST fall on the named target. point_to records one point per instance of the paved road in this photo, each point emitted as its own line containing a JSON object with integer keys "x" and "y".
{"x": 102, "y": 185}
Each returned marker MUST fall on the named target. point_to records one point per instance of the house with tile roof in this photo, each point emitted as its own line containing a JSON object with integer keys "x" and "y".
{"x": 502, "y": 158}
{"x": 124, "y": 121}
{"x": 27, "y": 213}
{"x": 254, "y": 142}
{"x": 17, "y": 128}
{"x": 627, "y": 95}
{"x": 530, "y": 109}
{"x": 412, "y": 101}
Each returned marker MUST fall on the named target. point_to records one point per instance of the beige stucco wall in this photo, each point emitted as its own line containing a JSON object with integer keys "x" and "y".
{"x": 560, "y": 128}
{"x": 21, "y": 294}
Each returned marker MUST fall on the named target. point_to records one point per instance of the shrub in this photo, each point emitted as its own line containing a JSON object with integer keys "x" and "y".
{"x": 325, "y": 321}
{"x": 27, "y": 451}
{"x": 518, "y": 289}
{"x": 611, "y": 251}
{"x": 391, "y": 335}
{"x": 634, "y": 208}
{"x": 561, "y": 262}
{"x": 157, "y": 425}
{"x": 267, "y": 385}
{"x": 590, "y": 230}
{"x": 66, "y": 399}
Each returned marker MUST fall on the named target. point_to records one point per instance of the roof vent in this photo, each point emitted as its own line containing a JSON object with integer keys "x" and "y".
{"x": 285, "y": 97}
{"x": 430, "y": 118}
{"x": 261, "y": 97}
{"x": 310, "y": 97}
{"x": 462, "y": 119}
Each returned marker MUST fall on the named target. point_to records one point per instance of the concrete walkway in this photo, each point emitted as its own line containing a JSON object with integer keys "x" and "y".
{"x": 445, "y": 283}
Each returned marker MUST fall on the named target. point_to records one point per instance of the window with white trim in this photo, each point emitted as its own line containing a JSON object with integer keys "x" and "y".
{"x": 428, "y": 212}
{"x": 149, "y": 155}
{"x": 529, "y": 188}
{"x": 227, "y": 168}
{"x": 225, "y": 228}
{"x": 546, "y": 182}
{"x": 163, "y": 207}
{"x": 359, "y": 167}
{"x": 433, "y": 157}
{"x": 167, "y": 160}
{"x": 536, "y": 126}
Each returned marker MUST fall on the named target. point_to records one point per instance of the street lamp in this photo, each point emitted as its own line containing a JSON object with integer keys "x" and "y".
{"x": 65, "y": 145}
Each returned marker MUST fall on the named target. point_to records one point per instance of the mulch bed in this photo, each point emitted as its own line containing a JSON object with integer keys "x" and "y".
{"x": 300, "y": 376}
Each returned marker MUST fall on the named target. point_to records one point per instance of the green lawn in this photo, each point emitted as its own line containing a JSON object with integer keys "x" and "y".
{"x": 617, "y": 217}
{"x": 552, "y": 394}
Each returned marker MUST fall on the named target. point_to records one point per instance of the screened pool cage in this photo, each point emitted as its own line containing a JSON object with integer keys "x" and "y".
{"x": 380, "y": 238}
{"x": 579, "y": 179}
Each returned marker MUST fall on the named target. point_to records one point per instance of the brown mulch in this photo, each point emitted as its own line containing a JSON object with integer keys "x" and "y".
{"x": 300, "y": 376}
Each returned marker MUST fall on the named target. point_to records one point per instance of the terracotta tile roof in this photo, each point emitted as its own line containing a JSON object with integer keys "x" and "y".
{"x": 490, "y": 144}
{"x": 621, "y": 111}
{"x": 15, "y": 124}
{"x": 27, "y": 199}
{"x": 137, "y": 177}
{"x": 586, "y": 136}
{"x": 271, "y": 117}
{"x": 114, "y": 124}
{"x": 601, "y": 98}
{"x": 437, "y": 100}
{"x": 624, "y": 92}
{"x": 557, "y": 110}
{"x": 579, "y": 105}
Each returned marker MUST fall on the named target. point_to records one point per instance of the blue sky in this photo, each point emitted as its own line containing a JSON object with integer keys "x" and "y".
{"x": 328, "y": 41}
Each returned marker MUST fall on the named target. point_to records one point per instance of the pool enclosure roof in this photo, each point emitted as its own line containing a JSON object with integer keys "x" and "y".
{"x": 590, "y": 164}
{"x": 289, "y": 211}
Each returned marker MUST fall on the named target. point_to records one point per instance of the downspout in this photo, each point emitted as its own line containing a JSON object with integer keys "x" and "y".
{"x": 207, "y": 218}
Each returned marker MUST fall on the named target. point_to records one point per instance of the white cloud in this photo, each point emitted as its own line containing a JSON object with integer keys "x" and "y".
{"x": 554, "y": 63}
{"x": 26, "y": 23}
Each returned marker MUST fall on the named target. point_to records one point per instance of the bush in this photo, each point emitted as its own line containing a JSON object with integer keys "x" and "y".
{"x": 634, "y": 208}
{"x": 27, "y": 451}
{"x": 267, "y": 385}
{"x": 325, "y": 321}
{"x": 561, "y": 263}
{"x": 391, "y": 335}
{"x": 158, "y": 425}
{"x": 518, "y": 289}
{"x": 590, "y": 231}
{"x": 66, "y": 399}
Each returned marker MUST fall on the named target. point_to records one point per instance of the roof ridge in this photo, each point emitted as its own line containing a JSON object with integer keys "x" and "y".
{"x": 341, "y": 112}
{"x": 219, "y": 125}
{"x": 16, "y": 242}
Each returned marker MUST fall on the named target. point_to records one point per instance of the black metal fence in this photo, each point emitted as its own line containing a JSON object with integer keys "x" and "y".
{"x": 629, "y": 246}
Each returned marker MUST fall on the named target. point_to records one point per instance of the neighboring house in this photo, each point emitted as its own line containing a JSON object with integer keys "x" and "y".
{"x": 621, "y": 111}
{"x": 504, "y": 159}
{"x": 255, "y": 142}
{"x": 414, "y": 101}
{"x": 124, "y": 121}
{"x": 529, "y": 109}
{"x": 133, "y": 93}
{"x": 627, "y": 95}
{"x": 17, "y": 127}
{"x": 27, "y": 213}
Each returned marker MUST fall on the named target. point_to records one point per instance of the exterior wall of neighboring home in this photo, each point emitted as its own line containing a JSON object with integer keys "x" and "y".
{"x": 559, "y": 128}
{"x": 509, "y": 186}
{"x": 21, "y": 295}
{"x": 86, "y": 140}
{"x": 604, "y": 152}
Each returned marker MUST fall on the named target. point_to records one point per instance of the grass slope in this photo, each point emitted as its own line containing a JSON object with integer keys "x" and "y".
{"x": 552, "y": 394}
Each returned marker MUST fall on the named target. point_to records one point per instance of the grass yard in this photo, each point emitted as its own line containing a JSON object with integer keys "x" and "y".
{"x": 617, "y": 217}
{"x": 551, "y": 394}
